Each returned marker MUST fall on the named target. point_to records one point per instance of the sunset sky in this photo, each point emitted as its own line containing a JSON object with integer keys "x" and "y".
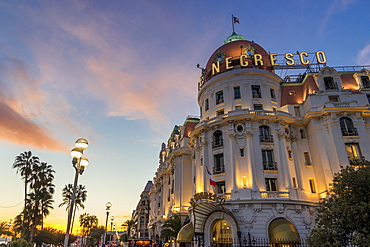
{"x": 122, "y": 73}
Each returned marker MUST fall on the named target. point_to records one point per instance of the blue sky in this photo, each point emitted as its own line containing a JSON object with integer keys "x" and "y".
{"x": 122, "y": 73}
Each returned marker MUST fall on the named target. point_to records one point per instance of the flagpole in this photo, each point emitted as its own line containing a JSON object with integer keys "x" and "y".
{"x": 232, "y": 22}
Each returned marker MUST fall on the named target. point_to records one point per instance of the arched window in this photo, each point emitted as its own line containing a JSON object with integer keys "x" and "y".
{"x": 221, "y": 233}
{"x": 265, "y": 134}
{"x": 217, "y": 139}
{"x": 347, "y": 127}
{"x": 282, "y": 230}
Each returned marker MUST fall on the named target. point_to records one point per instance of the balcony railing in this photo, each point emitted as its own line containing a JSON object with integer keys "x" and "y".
{"x": 266, "y": 138}
{"x": 354, "y": 161}
{"x": 349, "y": 132}
{"x": 274, "y": 194}
{"x": 269, "y": 166}
{"x": 225, "y": 195}
{"x": 219, "y": 169}
{"x": 216, "y": 144}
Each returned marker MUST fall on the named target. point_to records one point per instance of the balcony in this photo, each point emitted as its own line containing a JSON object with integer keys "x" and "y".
{"x": 349, "y": 132}
{"x": 269, "y": 166}
{"x": 274, "y": 194}
{"x": 267, "y": 138}
{"x": 219, "y": 169}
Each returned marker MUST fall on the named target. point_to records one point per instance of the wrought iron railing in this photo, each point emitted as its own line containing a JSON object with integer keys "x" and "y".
{"x": 349, "y": 132}
{"x": 266, "y": 138}
{"x": 219, "y": 169}
{"x": 269, "y": 165}
{"x": 218, "y": 143}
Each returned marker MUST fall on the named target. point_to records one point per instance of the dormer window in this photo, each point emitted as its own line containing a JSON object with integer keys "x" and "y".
{"x": 365, "y": 81}
{"x": 330, "y": 84}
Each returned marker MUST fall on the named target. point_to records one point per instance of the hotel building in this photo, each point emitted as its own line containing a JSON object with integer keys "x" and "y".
{"x": 271, "y": 145}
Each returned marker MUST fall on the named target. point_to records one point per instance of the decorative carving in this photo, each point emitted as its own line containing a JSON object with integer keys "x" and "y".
{"x": 280, "y": 208}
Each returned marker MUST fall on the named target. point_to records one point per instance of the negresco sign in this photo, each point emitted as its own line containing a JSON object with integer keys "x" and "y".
{"x": 257, "y": 60}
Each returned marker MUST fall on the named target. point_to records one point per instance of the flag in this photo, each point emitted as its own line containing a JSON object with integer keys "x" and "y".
{"x": 236, "y": 20}
{"x": 212, "y": 180}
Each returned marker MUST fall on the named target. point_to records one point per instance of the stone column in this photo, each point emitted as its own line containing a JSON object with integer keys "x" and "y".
{"x": 252, "y": 175}
{"x": 283, "y": 166}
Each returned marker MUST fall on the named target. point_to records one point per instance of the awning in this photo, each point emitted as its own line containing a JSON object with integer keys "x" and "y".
{"x": 185, "y": 234}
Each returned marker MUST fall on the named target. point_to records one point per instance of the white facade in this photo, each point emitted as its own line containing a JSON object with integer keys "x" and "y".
{"x": 272, "y": 148}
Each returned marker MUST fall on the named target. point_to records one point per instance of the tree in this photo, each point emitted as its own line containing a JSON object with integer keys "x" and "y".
{"x": 128, "y": 225}
{"x": 39, "y": 201}
{"x": 87, "y": 221}
{"x": 20, "y": 242}
{"x": 96, "y": 233}
{"x": 172, "y": 226}
{"x": 80, "y": 198}
{"x": 24, "y": 163}
{"x": 343, "y": 216}
{"x": 4, "y": 228}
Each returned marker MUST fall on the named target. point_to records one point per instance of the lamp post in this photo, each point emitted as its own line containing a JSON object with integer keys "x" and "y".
{"x": 79, "y": 163}
{"x": 111, "y": 229}
{"x": 107, "y": 210}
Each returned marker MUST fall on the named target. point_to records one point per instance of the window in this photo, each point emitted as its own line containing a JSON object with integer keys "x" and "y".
{"x": 271, "y": 184}
{"x": 219, "y": 164}
{"x": 290, "y": 154}
{"x": 292, "y": 92}
{"x": 312, "y": 185}
{"x": 265, "y": 134}
{"x": 258, "y": 107}
{"x": 272, "y": 94}
{"x": 368, "y": 98}
{"x": 237, "y": 93}
{"x": 220, "y": 112}
{"x": 242, "y": 152}
{"x": 347, "y": 127}
{"x": 238, "y": 107}
{"x": 365, "y": 81}
{"x": 330, "y": 84}
{"x": 334, "y": 98}
{"x": 256, "y": 91}
{"x": 221, "y": 187}
{"x": 206, "y": 105}
{"x": 353, "y": 151}
{"x": 297, "y": 112}
{"x": 219, "y": 97}
{"x": 294, "y": 183}
{"x": 303, "y": 134}
{"x": 268, "y": 160}
{"x": 274, "y": 109}
{"x": 307, "y": 159}
{"x": 217, "y": 139}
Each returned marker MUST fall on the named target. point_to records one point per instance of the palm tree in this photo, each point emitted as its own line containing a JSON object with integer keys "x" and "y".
{"x": 87, "y": 221}
{"x": 80, "y": 198}
{"x": 24, "y": 163}
{"x": 40, "y": 198}
{"x": 4, "y": 228}
{"x": 128, "y": 224}
{"x": 172, "y": 226}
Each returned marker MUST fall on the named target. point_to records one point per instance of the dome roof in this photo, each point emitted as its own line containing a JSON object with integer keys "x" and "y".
{"x": 234, "y": 36}
{"x": 235, "y": 46}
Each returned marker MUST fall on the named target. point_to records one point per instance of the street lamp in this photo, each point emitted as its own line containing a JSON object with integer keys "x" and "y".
{"x": 107, "y": 209}
{"x": 111, "y": 229}
{"x": 79, "y": 163}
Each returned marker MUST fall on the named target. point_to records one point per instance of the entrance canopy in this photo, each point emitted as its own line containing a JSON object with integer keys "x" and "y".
{"x": 185, "y": 234}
